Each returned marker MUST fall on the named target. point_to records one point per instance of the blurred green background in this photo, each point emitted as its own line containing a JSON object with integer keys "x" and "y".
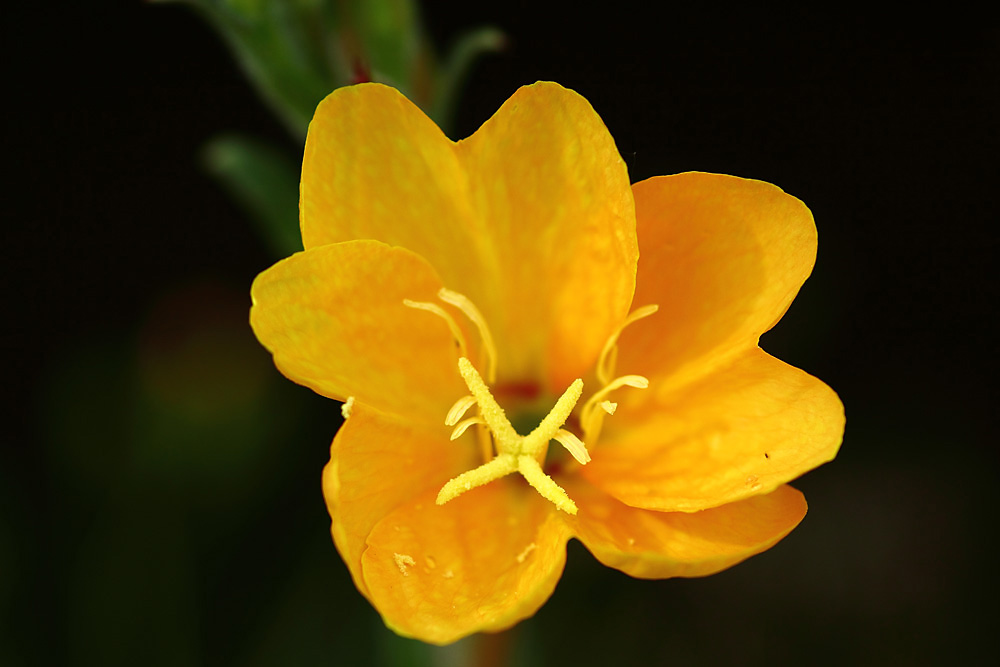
{"x": 159, "y": 480}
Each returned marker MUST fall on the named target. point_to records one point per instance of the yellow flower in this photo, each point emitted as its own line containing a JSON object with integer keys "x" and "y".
{"x": 481, "y": 289}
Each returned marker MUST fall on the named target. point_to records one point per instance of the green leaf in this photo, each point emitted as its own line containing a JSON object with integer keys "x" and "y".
{"x": 265, "y": 182}
{"x": 469, "y": 47}
{"x": 391, "y": 39}
{"x": 283, "y": 47}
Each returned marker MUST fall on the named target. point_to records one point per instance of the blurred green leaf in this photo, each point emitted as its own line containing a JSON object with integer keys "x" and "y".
{"x": 265, "y": 183}
{"x": 391, "y": 40}
{"x": 295, "y": 52}
{"x": 282, "y": 46}
{"x": 451, "y": 77}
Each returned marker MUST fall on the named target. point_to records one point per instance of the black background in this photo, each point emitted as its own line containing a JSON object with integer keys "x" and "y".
{"x": 884, "y": 126}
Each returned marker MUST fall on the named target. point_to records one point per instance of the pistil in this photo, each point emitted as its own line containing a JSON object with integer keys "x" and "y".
{"x": 515, "y": 452}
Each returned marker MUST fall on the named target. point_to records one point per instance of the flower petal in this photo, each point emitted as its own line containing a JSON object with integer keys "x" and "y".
{"x": 554, "y": 199}
{"x": 532, "y": 217}
{"x": 657, "y": 545}
{"x": 378, "y": 462}
{"x": 723, "y": 257}
{"x": 375, "y": 167}
{"x": 482, "y": 562}
{"x": 334, "y": 319}
{"x": 741, "y": 431}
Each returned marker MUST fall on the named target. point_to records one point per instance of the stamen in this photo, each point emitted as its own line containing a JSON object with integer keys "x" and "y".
{"x": 461, "y": 428}
{"x": 514, "y": 452}
{"x": 591, "y": 418}
{"x": 573, "y": 445}
{"x": 459, "y": 409}
{"x": 637, "y": 381}
{"x": 609, "y": 354}
{"x": 440, "y": 312}
{"x": 465, "y": 304}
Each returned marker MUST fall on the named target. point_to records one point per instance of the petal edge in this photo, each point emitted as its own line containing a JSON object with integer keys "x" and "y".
{"x": 744, "y": 429}
{"x": 658, "y": 545}
{"x": 479, "y": 563}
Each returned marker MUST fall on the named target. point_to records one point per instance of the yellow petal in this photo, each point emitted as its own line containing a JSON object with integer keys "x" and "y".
{"x": 723, "y": 257}
{"x": 531, "y": 217}
{"x": 334, "y": 319}
{"x": 482, "y": 562}
{"x": 657, "y": 545}
{"x": 376, "y": 167}
{"x": 741, "y": 431}
{"x": 553, "y": 195}
{"x": 378, "y": 462}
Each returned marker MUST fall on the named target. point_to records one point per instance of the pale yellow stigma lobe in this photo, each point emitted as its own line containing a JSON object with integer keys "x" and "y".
{"x": 515, "y": 453}
{"x": 491, "y": 411}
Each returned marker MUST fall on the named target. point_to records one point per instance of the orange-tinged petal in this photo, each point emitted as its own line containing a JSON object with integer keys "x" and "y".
{"x": 554, "y": 198}
{"x": 481, "y": 562}
{"x": 723, "y": 257}
{"x": 656, "y": 545}
{"x": 531, "y": 217}
{"x": 334, "y": 319}
{"x": 743, "y": 430}
{"x": 377, "y": 463}
{"x": 376, "y": 167}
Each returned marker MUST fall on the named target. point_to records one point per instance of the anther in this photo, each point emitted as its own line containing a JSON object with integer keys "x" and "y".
{"x": 461, "y": 406}
{"x": 464, "y": 425}
{"x": 347, "y": 408}
{"x": 573, "y": 445}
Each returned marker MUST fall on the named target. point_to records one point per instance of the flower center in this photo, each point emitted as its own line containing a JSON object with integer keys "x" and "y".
{"x": 523, "y": 454}
{"x": 515, "y": 452}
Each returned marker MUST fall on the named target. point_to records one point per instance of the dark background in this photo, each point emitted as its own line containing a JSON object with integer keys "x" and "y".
{"x": 159, "y": 482}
